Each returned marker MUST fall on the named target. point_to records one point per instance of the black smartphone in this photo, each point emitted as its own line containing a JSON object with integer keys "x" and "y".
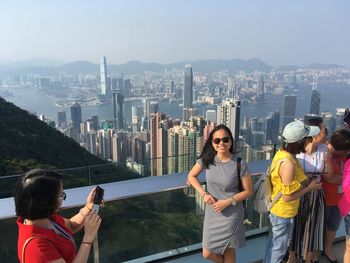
{"x": 99, "y": 192}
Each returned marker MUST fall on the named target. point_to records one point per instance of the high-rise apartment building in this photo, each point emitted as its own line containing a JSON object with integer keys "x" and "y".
{"x": 76, "y": 116}
{"x": 188, "y": 87}
{"x": 290, "y": 103}
{"x": 229, "y": 113}
{"x": 158, "y": 141}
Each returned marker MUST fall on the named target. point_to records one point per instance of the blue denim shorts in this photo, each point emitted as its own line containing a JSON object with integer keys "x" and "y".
{"x": 347, "y": 226}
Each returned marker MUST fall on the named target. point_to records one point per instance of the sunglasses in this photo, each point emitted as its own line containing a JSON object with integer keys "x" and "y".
{"x": 63, "y": 196}
{"x": 218, "y": 140}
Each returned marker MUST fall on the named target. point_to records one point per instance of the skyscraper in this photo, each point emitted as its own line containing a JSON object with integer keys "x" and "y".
{"x": 315, "y": 98}
{"x": 62, "y": 119}
{"x": 188, "y": 87}
{"x": 228, "y": 113}
{"x": 260, "y": 89}
{"x": 118, "y": 101}
{"x": 290, "y": 103}
{"x": 105, "y": 88}
{"x": 76, "y": 116}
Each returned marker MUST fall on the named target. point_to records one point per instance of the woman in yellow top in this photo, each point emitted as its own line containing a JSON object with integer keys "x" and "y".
{"x": 287, "y": 179}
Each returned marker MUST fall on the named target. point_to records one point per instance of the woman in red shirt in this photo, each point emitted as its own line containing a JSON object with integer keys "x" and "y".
{"x": 45, "y": 236}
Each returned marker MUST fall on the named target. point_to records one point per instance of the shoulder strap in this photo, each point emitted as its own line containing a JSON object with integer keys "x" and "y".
{"x": 279, "y": 194}
{"x": 27, "y": 242}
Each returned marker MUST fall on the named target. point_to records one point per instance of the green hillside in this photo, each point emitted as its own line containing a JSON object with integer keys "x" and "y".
{"x": 26, "y": 142}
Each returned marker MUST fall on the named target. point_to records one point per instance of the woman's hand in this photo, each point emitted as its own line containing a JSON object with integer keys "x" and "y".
{"x": 315, "y": 185}
{"x": 91, "y": 226}
{"x": 208, "y": 199}
{"x": 221, "y": 205}
{"x": 90, "y": 199}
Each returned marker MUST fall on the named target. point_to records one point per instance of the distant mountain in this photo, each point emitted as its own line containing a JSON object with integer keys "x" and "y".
{"x": 137, "y": 67}
{"x": 324, "y": 66}
{"x": 26, "y": 142}
{"x": 79, "y": 67}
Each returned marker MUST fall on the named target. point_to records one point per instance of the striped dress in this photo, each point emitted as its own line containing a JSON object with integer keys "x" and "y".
{"x": 309, "y": 228}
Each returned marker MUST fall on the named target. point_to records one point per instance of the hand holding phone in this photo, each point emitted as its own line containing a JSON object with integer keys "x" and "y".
{"x": 99, "y": 192}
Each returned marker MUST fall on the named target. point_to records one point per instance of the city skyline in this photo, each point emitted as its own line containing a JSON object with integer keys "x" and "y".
{"x": 297, "y": 33}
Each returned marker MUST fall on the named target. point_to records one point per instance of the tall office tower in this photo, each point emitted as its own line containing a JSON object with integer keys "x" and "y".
{"x": 118, "y": 101}
{"x": 105, "y": 87}
{"x": 290, "y": 103}
{"x": 153, "y": 107}
{"x": 260, "y": 89}
{"x": 95, "y": 122}
{"x": 210, "y": 115}
{"x": 315, "y": 98}
{"x": 188, "y": 88}
{"x": 91, "y": 142}
{"x": 62, "y": 119}
{"x": 76, "y": 116}
{"x": 228, "y": 113}
{"x": 145, "y": 106}
{"x": 127, "y": 88}
{"x": 158, "y": 141}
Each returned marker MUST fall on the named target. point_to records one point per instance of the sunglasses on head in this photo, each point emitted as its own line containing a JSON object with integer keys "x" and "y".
{"x": 218, "y": 140}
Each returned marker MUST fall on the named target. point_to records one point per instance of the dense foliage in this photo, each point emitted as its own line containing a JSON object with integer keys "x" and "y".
{"x": 26, "y": 143}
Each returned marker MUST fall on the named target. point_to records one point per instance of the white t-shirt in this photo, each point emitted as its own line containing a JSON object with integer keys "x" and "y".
{"x": 314, "y": 162}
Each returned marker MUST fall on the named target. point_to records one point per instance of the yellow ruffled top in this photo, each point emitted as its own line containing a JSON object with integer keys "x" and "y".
{"x": 281, "y": 208}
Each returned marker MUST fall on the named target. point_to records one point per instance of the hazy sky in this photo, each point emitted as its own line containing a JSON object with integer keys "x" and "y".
{"x": 279, "y": 32}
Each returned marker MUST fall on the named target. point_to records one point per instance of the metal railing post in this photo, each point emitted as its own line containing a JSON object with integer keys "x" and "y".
{"x": 96, "y": 250}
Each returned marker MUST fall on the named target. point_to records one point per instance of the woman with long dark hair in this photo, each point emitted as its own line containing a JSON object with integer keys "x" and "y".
{"x": 223, "y": 229}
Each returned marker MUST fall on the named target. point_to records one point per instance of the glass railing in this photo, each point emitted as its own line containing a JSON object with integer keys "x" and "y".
{"x": 113, "y": 172}
{"x": 163, "y": 221}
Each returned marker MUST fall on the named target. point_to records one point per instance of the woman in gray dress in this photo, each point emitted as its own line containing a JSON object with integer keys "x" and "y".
{"x": 223, "y": 229}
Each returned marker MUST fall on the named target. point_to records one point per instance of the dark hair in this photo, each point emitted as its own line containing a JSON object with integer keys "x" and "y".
{"x": 208, "y": 153}
{"x": 36, "y": 194}
{"x": 314, "y": 121}
{"x": 346, "y": 117}
{"x": 296, "y": 147}
{"x": 340, "y": 140}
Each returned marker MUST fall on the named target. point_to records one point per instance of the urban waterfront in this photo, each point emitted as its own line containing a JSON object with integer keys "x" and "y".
{"x": 332, "y": 96}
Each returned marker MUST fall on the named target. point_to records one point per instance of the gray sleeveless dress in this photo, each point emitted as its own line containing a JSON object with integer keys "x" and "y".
{"x": 224, "y": 229}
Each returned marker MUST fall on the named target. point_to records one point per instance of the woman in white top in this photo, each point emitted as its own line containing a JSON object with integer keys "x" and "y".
{"x": 309, "y": 227}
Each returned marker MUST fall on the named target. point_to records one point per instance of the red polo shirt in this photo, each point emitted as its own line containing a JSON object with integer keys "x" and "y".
{"x": 41, "y": 250}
